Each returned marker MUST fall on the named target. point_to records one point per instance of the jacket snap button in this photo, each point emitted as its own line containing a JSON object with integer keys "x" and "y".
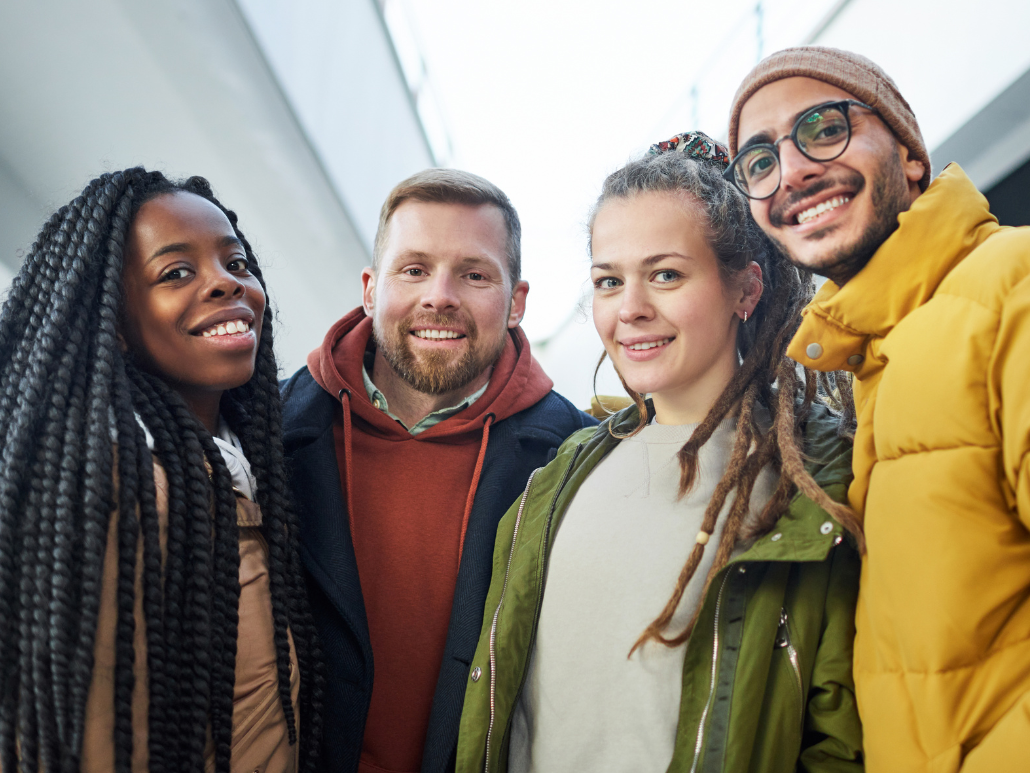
{"x": 826, "y": 528}
{"x": 855, "y": 360}
{"x": 815, "y": 351}
{"x": 476, "y": 673}
{"x": 776, "y": 537}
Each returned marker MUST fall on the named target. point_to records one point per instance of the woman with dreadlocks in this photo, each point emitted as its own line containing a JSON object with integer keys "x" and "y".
{"x": 723, "y": 486}
{"x": 152, "y": 611}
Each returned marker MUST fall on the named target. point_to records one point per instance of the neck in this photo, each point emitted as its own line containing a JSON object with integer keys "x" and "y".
{"x": 205, "y": 406}
{"x": 691, "y": 404}
{"x": 410, "y": 405}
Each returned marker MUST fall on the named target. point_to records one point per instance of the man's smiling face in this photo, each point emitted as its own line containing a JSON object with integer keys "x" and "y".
{"x": 442, "y": 301}
{"x": 829, "y": 216}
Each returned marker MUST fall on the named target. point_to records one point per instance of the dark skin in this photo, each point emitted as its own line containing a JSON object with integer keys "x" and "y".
{"x": 193, "y": 310}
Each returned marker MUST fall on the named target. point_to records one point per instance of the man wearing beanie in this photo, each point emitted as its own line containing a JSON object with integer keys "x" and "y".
{"x": 928, "y": 304}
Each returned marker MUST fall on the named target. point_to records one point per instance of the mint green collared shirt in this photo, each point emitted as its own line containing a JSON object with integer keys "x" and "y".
{"x": 379, "y": 401}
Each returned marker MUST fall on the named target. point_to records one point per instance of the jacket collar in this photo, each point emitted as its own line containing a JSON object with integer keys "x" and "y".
{"x": 940, "y": 229}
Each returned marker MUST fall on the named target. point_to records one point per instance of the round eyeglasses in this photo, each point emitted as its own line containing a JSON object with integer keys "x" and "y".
{"x": 821, "y": 133}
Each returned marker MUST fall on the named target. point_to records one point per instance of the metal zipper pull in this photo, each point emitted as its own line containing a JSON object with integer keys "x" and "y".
{"x": 783, "y": 642}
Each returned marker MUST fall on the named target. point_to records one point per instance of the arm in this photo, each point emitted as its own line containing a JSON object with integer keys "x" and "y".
{"x": 1010, "y": 396}
{"x": 833, "y": 731}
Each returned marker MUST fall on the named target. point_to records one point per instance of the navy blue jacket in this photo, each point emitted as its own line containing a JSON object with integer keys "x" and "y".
{"x": 517, "y": 446}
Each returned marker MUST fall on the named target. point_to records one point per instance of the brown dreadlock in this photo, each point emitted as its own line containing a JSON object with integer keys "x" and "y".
{"x": 766, "y": 377}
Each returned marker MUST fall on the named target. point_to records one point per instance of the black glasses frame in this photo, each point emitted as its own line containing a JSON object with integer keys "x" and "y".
{"x": 774, "y": 147}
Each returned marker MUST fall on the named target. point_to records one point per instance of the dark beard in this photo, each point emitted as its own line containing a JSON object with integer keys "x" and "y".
{"x": 890, "y": 197}
{"x": 435, "y": 373}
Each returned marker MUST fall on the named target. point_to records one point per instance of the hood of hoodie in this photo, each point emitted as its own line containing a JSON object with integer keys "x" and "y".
{"x": 517, "y": 382}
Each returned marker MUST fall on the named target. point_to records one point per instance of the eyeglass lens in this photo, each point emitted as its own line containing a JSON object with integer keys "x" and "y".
{"x": 821, "y": 135}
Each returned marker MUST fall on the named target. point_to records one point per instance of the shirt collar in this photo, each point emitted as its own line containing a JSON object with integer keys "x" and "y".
{"x": 378, "y": 399}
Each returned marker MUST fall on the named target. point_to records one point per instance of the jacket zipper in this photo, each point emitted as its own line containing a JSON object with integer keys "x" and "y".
{"x": 711, "y": 689}
{"x": 497, "y": 612}
{"x": 539, "y": 597}
{"x": 783, "y": 641}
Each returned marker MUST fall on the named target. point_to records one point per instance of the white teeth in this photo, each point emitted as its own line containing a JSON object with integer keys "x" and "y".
{"x": 437, "y": 334}
{"x": 235, "y": 326}
{"x": 818, "y": 209}
{"x": 649, "y": 344}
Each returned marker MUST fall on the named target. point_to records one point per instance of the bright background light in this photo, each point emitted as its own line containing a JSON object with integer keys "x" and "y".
{"x": 546, "y": 98}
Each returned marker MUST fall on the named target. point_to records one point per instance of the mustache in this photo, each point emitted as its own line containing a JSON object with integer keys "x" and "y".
{"x": 778, "y": 213}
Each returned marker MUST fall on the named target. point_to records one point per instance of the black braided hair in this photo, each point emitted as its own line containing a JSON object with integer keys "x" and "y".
{"x": 74, "y": 454}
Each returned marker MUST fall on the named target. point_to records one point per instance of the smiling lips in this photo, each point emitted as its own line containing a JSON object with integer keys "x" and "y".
{"x": 648, "y": 345}
{"x": 826, "y": 206}
{"x": 233, "y": 327}
{"x": 437, "y": 335}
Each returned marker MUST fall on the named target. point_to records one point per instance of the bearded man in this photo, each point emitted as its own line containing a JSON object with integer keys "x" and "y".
{"x": 927, "y": 303}
{"x": 410, "y": 432}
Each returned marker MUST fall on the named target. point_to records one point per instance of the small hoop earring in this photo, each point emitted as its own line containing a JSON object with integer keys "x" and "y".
{"x": 745, "y": 316}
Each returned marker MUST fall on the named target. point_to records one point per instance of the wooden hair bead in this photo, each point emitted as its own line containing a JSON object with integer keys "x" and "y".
{"x": 703, "y": 537}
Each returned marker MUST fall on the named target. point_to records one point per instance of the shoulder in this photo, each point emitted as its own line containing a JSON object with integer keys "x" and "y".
{"x": 307, "y": 407}
{"x": 827, "y": 454}
{"x": 993, "y": 269}
{"x": 552, "y": 416}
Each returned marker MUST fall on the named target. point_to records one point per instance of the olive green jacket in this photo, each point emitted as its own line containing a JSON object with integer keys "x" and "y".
{"x": 767, "y": 682}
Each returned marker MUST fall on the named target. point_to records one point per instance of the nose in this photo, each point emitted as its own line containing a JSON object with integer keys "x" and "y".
{"x": 796, "y": 169}
{"x": 222, "y": 283}
{"x": 440, "y": 293}
{"x": 636, "y": 305}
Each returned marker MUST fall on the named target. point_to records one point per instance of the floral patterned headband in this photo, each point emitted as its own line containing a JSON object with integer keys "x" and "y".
{"x": 697, "y": 145}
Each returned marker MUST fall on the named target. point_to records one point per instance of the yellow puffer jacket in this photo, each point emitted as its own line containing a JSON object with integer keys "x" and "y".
{"x": 936, "y": 329}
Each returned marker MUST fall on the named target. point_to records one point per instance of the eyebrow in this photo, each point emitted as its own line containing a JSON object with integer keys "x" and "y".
{"x": 227, "y": 241}
{"x": 765, "y": 138}
{"x": 649, "y": 261}
{"x": 477, "y": 260}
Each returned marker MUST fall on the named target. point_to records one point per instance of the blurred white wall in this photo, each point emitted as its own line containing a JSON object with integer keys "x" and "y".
{"x": 287, "y": 120}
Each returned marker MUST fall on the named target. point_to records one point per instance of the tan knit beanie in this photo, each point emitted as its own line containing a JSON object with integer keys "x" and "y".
{"x": 853, "y": 73}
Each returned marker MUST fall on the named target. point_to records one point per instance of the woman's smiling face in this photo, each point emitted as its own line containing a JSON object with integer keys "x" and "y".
{"x": 193, "y": 310}
{"x": 667, "y": 317}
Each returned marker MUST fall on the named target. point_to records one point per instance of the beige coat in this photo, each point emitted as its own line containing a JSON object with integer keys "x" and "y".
{"x": 259, "y": 733}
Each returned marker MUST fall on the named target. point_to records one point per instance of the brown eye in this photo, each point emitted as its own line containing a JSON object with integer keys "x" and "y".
{"x": 175, "y": 274}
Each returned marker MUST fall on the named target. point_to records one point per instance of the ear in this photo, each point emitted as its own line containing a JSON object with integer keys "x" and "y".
{"x": 518, "y": 303}
{"x": 914, "y": 169}
{"x": 751, "y": 290}
{"x": 368, "y": 289}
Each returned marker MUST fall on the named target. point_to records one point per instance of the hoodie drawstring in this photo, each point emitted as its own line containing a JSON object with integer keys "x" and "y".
{"x": 344, "y": 396}
{"x": 475, "y": 484}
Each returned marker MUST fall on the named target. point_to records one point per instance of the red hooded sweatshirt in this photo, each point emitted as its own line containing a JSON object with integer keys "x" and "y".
{"x": 408, "y": 501}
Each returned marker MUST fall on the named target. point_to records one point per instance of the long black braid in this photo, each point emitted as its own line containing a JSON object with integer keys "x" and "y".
{"x": 73, "y": 453}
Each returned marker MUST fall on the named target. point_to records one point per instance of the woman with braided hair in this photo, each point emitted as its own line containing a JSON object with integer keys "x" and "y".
{"x": 153, "y": 616}
{"x": 724, "y": 485}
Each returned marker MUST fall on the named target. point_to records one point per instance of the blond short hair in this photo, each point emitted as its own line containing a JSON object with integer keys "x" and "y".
{"x": 452, "y": 186}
